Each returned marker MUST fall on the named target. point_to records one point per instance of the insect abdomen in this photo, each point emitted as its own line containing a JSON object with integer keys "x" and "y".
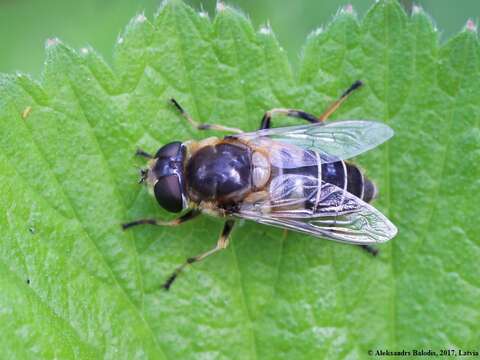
{"x": 349, "y": 176}
{"x": 294, "y": 184}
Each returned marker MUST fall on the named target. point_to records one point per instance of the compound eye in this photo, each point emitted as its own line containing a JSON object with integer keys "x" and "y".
{"x": 169, "y": 151}
{"x": 168, "y": 193}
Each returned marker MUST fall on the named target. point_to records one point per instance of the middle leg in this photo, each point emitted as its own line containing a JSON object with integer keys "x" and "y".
{"x": 221, "y": 244}
{"x": 199, "y": 126}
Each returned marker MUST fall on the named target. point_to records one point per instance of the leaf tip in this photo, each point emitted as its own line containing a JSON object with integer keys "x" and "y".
{"x": 471, "y": 26}
{"x": 223, "y": 8}
{"x": 347, "y": 9}
{"x": 162, "y": 6}
{"x": 220, "y": 6}
{"x": 52, "y": 42}
{"x": 417, "y": 9}
{"x": 318, "y": 31}
{"x": 140, "y": 18}
{"x": 265, "y": 29}
{"x": 203, "y": 14}
{"x": 419, "y": 13}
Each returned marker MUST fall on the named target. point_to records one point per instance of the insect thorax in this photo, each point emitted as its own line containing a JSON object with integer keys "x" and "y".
{"x": 225, "y": 171}
{"x": 219, "y": 172}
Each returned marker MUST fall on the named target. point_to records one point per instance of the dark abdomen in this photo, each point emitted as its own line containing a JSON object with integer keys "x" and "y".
{"x": 217, "y": 172}
{"x": 349, "y": 176}
{"x": 342, "y": 174}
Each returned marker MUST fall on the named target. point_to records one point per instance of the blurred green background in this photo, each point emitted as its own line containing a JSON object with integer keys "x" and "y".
{"x": 25, "y": 24}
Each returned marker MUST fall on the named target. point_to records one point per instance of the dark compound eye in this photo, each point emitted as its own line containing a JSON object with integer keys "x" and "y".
{"x": 169, "y": 151}
{"x": 168, "y": 193}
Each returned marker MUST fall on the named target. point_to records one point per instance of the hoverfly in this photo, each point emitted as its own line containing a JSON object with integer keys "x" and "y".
{"x": 294, "y": 178}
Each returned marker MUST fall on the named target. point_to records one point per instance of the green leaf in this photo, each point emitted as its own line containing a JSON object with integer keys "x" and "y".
{"x": 73, "y": 285}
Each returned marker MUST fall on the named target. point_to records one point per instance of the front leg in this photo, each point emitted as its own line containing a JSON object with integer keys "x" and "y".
{"x": 192, "y": 214}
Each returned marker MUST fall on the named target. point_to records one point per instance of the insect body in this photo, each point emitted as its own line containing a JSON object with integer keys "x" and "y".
{"x": 293, "y": 177}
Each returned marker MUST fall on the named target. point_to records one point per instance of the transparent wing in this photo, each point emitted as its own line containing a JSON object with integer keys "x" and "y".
{"x": 327, "y": 211}
{"x": 334, "y": 141}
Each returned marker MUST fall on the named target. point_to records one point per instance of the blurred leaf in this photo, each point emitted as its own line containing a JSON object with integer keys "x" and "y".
{"x": 73, "y": 285}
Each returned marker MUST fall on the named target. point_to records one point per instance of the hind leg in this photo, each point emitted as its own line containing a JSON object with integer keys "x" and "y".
{"x": 370, "y": 249}
{"x": 266, "y": 122}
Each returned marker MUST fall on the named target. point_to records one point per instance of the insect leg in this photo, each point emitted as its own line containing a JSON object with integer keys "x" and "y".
{"x": 333, "y": 107}
{"x": 267, "y": 118}
{"x": 370, "y": 249}
{"x": 187, "y": 216}
{"x": 144, "y": 154}
{"x": 199, "y": 126}
{"x": 221, "y": 244}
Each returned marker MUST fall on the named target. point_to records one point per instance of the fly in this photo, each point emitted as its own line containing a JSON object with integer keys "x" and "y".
{"x": 295, "y": 178}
